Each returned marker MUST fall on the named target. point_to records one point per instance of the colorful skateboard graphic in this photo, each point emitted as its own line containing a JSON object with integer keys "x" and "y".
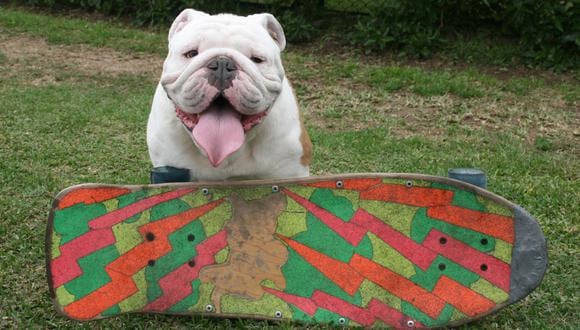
{"x": 392, "y": 249}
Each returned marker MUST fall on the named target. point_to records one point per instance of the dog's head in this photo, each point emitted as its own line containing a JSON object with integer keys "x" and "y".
{"x": 223, "y": 73}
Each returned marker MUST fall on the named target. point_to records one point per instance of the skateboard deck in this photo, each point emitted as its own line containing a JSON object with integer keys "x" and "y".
{"x": 399, "y": 250}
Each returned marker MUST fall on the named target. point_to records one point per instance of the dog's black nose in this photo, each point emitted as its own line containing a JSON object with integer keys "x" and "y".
{"x": 223, "y": 71}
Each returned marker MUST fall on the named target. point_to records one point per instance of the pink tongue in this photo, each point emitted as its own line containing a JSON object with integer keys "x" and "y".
{"x": 219, "y": 133}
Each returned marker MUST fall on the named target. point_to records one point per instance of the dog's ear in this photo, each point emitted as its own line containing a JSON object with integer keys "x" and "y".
{"x": 186, "y": 16}
{"x": 271, "y": 24}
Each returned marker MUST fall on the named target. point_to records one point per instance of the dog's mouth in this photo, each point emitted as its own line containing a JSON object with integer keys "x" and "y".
{"x": 219, "y": 129}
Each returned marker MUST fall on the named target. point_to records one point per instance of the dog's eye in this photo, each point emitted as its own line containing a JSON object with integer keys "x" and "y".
{"x": 191, "y": 53}
{"x": 256, "y": 59}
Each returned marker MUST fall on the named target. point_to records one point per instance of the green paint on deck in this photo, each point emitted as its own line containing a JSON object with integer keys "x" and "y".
{"x": 457, "y": 315}
{"x": 303, "y": 191}
{"x": 387, "y": 256}
{"x": 183, "y": 250}
{"x": 370, "y": 290}
{"x": 422, "y": 224}
{"x": 111, "y": 204}
{"x": 139, "y": 299}
{"x": 325, "y": 316}
{"x": 112, "y": 311}
{"x": 168, "y": 208}
{"x": 462, "y": 198}
{"x": 322, "y": 238}
{"x": 197, "y": 198}
{"x": 222, "y": 255}
{"x": 127, "y": 235}
{"x": 94, "y": 274}
{"x": 397, "y": 216}
{"x": 267, "y": 305}
{"x": 293, "y": 219}
{"x": 63, "y": 296}
{"x": 54, "y": 245}
{"x": 297, "y": 269}
{"x": 352, "y": 196}
{"x": 495, "y": 208}
{"x": 214, "y": 220}
{"x": 503, "y": 251}
{"x": 417, "y": 315}
{"x": 427, "y": 279}
{"x": 339, "y": 206}
{"x": 73, "y": 221}
{"x": 490, "y": 291}
{"x": 299, "y": 315}
{"x": 270, "y": 284}
{"x": 246, "y": 194}
{"x": 205, "y": 290}
{"x": 290, "y": 223}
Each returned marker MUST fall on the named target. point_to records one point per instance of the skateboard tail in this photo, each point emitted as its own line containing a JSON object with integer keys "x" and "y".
{"x": 529, "y": 255}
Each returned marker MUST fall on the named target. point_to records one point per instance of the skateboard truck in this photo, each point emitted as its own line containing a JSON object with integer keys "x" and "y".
{"x": 167, "y": 174}
{"x": 473, "y": 176}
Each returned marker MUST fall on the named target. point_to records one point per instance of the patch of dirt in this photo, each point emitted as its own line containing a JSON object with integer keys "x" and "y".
{"x": 337, "y": 107}
{"x": 36, "y": 55}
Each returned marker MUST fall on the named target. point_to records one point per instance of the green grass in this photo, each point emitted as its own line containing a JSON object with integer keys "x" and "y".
{"x": 363, "y": 116}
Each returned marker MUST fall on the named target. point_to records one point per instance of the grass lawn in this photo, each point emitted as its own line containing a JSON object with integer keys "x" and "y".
{"x": 74, "y": 101}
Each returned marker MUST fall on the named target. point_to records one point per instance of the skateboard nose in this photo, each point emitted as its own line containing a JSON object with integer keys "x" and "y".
{"x": 223, "y": 70}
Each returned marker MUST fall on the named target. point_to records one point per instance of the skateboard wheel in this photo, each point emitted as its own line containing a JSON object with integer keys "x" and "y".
{"x": 341, "y": 321}
{"x": 411, "y": 324}
{"x": 209, "y": 308}
{"x": 278, "y": 314}
{"x": 275, "y": 189}
{"x": 339, "y": 184}
{"x": 205, "y": 191}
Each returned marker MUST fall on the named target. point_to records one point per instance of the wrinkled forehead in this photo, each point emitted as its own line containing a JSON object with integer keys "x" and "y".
{"x": 223, "y": 31}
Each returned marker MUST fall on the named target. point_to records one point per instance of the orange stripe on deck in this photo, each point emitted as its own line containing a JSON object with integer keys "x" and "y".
{"x": 337, "y": 271}
{"x": 398, "y": 286}
{"x": 495, "y": 225}
{"x": 350, "y": 184}
{"x": 414, "y": 196}
{"x": 91, "y": 195}
{"x": 464, "y": 299}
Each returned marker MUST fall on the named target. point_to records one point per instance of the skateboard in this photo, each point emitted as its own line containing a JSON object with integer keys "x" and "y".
{"x": 396, "y": 250}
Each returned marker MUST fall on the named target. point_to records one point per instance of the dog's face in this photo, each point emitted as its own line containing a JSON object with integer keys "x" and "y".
{"x": 223, "y": 73}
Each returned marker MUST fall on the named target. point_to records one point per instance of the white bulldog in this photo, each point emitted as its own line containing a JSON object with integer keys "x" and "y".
{"x": 223, "y": 108}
